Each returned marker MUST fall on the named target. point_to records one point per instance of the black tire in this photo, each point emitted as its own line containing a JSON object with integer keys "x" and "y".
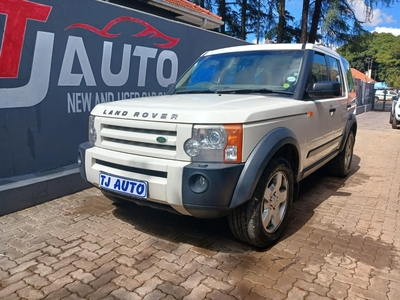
{"x": 340, "y": 165}
{"x": 390, "y": 118}
{"x": 271, "y": 202}
{"x": 395, "y": 123}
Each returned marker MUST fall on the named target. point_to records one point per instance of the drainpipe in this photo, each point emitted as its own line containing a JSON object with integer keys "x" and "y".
{"x": 204, "y": 23}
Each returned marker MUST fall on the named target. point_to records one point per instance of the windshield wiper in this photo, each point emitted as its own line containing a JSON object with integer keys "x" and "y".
{"x": 250, "y": 91}
{"x": 233, "y": 91}
{"x": 194, "y": 92}
{"x": 243, "y": 91}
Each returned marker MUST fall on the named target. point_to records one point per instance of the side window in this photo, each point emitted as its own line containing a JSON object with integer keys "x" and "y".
{"x": 319, "y": 70}
{"x": 326, "y": 68}
{"x": 349, "y": 78}
{"x": 335, "y": 73}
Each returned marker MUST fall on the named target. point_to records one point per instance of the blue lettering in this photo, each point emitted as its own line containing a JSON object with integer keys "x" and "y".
{"x": 125, "y": 185}
{"x": 133, "y": 184}
{"x": 140, "y": 189}
{"x": 107, "y": 184}
{"x": 117, "y": 185}
{"x": 102, "y": 179}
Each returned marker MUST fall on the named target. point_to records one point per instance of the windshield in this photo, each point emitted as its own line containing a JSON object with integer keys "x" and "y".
{"x": 258, "y": 71}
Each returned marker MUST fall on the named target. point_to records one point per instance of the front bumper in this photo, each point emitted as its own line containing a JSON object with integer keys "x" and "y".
{"x": 212, "y": 199}
{"x": 82, "y": 158}
{"x": 170, "y": 182}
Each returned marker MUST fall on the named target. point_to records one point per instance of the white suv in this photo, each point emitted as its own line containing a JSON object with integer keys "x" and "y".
{"x": 395, "y": 114}
{"x": 233, "y": 137}
{"x": 390, "y": 95}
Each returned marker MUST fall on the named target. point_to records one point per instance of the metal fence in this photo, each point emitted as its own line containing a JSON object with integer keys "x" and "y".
{"x": 384, "y": 104}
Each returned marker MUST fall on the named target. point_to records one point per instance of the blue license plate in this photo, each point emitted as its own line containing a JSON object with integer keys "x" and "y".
{"x": 131, "y": 187}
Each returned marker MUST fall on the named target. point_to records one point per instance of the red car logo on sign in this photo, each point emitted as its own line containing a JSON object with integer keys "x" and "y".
{"x": 149, "y": 30}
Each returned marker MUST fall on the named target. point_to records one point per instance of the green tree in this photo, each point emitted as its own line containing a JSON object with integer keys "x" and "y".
{"x": 260, "y": 18}
{"x": 304, "y": 21}
{"x": 383, "y": 49}
{"x": 230, "y": 15}
{"x": 327, "y": 21}
{"x": 281, "y": 20}
{"x": 336, "y": 20}
{"x": 243, "y": 19}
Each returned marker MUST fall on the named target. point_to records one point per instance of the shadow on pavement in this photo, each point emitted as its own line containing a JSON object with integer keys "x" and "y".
{"x": 215, "y": 235}
{"x": 347, "y": 244}
{"x": 211, "y": 234}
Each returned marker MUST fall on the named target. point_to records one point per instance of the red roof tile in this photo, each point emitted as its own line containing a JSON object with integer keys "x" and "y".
{"x": 193, "y": 7}
{"x": 359, "y": 75}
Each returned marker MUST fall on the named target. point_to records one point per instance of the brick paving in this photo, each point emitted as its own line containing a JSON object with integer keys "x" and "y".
{"x": 343, "y": 242}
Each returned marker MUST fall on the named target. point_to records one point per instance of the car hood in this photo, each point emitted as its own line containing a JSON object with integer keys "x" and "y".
{"x": 203, "y": 108}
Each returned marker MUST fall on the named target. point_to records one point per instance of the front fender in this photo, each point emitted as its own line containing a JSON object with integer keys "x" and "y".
{"x": 257, "y": 162}
{"x": 396, "y": 110}
{"x": 351, "y": 121}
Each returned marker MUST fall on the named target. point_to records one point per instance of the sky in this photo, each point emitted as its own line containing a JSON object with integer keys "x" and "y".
{"x": 384, "y": 19}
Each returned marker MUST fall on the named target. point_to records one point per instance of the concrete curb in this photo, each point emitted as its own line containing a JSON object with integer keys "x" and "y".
{"x": 20, "y": 192}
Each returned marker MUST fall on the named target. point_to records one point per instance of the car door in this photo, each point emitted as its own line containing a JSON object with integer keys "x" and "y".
{"x": 326, "y": 114}
{"x": 342, "y": 103}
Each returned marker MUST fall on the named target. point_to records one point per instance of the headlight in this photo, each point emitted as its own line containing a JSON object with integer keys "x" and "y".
{"x": 215, "y": 143}
{"x": 192, "y": 147}
{"x": 92, "y": 130}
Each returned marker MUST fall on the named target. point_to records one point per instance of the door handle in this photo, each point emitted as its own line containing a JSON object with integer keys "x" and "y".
{"x": 332, "y": 109}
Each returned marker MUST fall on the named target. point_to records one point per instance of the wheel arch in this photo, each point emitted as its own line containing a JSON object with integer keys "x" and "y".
{"x": 279, "y": 142}
{"x": 396, "y": 110}
{"x": 351, "y": 125}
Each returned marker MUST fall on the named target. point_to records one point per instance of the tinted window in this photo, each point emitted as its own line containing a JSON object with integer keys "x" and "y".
{"x": 335, "y": 73}
{"x": 326, "y": 68}
{"x": 319, "y": 70}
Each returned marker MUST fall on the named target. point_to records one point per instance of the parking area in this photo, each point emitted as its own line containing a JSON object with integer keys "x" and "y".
{"x": 343, "y": 242}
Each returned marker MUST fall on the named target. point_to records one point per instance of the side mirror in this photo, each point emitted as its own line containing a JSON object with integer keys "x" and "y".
{"x": 324, "y": 89}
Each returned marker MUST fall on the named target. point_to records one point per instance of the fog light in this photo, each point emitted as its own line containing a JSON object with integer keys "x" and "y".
{"x": 79, "y": 159}
{"x": 198, "y": 183}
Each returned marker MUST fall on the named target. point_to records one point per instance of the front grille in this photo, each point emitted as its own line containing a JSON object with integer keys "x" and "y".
{"x": 153, "y": 139}
{"x": 140, "y": 144}
{"x": 141, "y": 130}
{"x": 132, "y": 169}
